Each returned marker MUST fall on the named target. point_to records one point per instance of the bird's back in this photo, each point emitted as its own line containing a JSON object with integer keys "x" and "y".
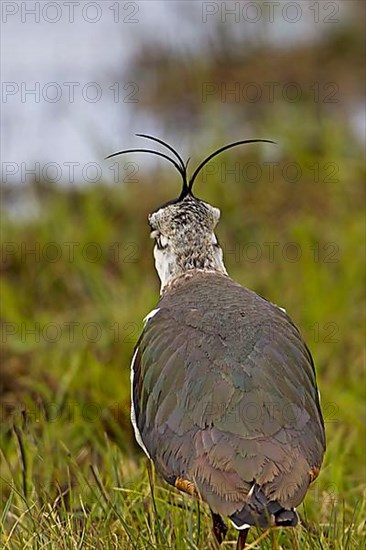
{"x": 225, "y": 398}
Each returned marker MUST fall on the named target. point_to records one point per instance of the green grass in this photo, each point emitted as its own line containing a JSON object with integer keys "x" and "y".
{"x": 71, "y": 475}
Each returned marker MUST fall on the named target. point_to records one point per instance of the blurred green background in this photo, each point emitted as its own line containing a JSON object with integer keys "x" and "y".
{"x": 77, "y": 278}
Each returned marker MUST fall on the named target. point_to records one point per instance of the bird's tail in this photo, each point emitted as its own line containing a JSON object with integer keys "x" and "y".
{"x": 264, "y": 513}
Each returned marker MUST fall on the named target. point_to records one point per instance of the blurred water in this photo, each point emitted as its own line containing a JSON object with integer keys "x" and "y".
{"x": 57, "y": 50}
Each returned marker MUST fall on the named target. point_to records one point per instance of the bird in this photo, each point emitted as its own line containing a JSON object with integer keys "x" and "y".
{"x": 224, "y": 397}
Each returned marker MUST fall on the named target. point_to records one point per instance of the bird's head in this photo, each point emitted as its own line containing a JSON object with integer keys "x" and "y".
{"x": 183, "y": 228}
{"x": 184, "y": 238}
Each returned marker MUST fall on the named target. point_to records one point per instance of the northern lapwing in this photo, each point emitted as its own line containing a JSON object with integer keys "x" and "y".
{"x": 224, "y": 395}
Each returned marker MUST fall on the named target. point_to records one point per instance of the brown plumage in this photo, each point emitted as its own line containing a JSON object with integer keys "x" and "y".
{"x": 226, "y": 401}
{"x": 224, "y": 394}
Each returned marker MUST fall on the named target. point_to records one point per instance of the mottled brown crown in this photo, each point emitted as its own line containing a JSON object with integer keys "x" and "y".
{"x": 185, "y": 239}
{"x": 183, "y": 228}
{"x": 189, "y": 213}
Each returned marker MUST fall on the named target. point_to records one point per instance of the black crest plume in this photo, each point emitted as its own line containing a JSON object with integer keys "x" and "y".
{"x": 179, "y": 163}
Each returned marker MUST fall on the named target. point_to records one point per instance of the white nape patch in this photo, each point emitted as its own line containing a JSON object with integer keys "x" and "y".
{"x": 251, "y": 490}
{"x": 151, "y": 315}
{"x": 133, "y": 414}
{"x": 241, "y": 527}
{"x": 165, "y": 264}
{"x": 163, "y": 241}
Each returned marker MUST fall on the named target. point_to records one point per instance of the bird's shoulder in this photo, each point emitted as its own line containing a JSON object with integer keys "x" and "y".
{"x": 226, "y": 348}
{"x": 208, "y": 305}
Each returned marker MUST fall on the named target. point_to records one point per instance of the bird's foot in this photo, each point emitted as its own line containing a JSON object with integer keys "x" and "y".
{"x": 242, "y": 538}
{"x": 219, "y": 527}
